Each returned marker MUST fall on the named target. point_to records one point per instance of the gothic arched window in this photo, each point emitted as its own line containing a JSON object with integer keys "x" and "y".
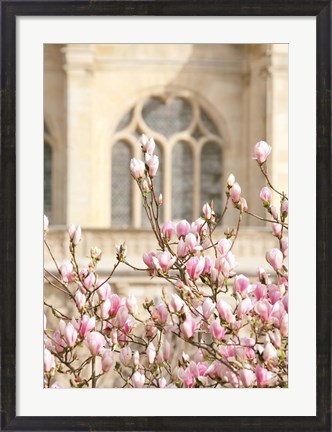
{"x": 121, "y": 185}
{"x": 189, "y": 146}
{"x": 182, "y": 181}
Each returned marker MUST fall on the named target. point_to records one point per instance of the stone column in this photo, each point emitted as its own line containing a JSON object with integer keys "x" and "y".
{"x": 255, "y": 77}
{"x": 79, "y": 63}
{"x": 277, "y": 132}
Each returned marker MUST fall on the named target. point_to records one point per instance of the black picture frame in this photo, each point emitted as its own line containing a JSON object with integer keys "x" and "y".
{"x": 9, "y": 11}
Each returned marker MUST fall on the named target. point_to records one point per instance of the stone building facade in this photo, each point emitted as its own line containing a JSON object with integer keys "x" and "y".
{"x": 205, "y": 105}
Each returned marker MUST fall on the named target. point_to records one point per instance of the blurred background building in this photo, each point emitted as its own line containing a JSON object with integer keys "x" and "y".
{"x": 205, "y": 105}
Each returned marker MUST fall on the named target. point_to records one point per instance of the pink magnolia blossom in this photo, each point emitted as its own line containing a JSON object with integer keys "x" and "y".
{"x": 225, "y": 311}
{"x": 285, "y": 302}
{"x": 243, "y": 204}
{"x": 224, "y": 246}
{"x": 75, "y": 234}
{"x": 107, "y": 360}
{"x": 247, "y": 377}
{"x": 198, "y": 227}
{"x": 207, "y": 211}
{"x": 244, "y": 307}
{"x": 270, "y": 354}
{"x": 182, "y": 249}
{"x": 122, "y": 316}
{"x": 188, "y": 327}
{"x": 274, "y": 212}
{"x": 153, "y": 165}
{"x": 80, "y": 299}
{"x": 277, "y": 229}
{"x": 138, "y": 379}
{"x": 186, "y": 377}
{"x": 151, "y": 352}
{"x": 241, "y": 285}
{"x": 182, "y": 228}
{"x": 262, "y": 376}
{"x": 284, "y": 246}
{"x": 131, "y": 303}
{"x": 150, "y": 146}
{"x": 85, "y": 325}
{"x": 284, "y": 325}
{"x": 115, "y": 304}
{"x": 162, "y": 383}
{"x": 137, "y": 168}
{"x": 70, "y": 335}
{"x": 66, "y": 271}
{"x": 262, "y": 151}
{"x": 125, "y": 355}
{"x": 163, "y": 261}
{"x": 136, "y": 358}
{"x": 104, "y": 291}
{"x": 195, "y": 266}
{"x": 176, "y": 303}
{"x": 49, "y": 362}
{"x": 95, "y": 341}
{"x": 89, "y": 281}
{"x": 207, "y": 265}
{"x": 167, "y": 230}
{"x": 266, "y": 195}
{"x": 275, "y": 337}
{"x": 160, "y": 313}
{"x": 147, "y": 258}
{"x": 208, "y": 307}
{"x": 58, "y": 342}
{"x": 274, "y": 293}
{"x": 216, "y": 330}
{"x": 105, "y": 309}
{"x": 235, "y": 192}
{"x": 166, "y": 349}
{"x": 284, "y": 208}
{"x": 275, "y": 258}
{"x": 192, "y": 243}
{"x": 260, "y": 291}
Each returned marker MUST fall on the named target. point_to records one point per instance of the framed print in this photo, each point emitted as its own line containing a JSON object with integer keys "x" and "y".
{"x": 203, "y": 89}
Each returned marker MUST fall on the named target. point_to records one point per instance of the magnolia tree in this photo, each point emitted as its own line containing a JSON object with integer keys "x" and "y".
{"x": 233, "y": 332}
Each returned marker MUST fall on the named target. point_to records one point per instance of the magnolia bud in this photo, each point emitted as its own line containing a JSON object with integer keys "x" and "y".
{"x": 136, "y": 358}
{"x": 235, "y": 192}
{"x": 107, "y": 360}
{"x": 75, "y": 234}
{"x": 138, "y": 379}
{"x": 131, "y": 304}
{"x": 266, "y": 195}
{"x": 95, "y": 342}
{"x": 230, "y": 180}
{"x": 79, "y": 299}
{"x": 262, "y": 151}
{"x": 150, "y": 146}
{"x": 275, "y": 258}
{"x": 151, "y": 352}
{"x": 207, "y": 211}
{"x": 137, "y": 168}
{"x": 143, "y": 140}
{"x": 153, "y": 165}
{"x": 96, "y": 253}
{"x": 125, "y": 355}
